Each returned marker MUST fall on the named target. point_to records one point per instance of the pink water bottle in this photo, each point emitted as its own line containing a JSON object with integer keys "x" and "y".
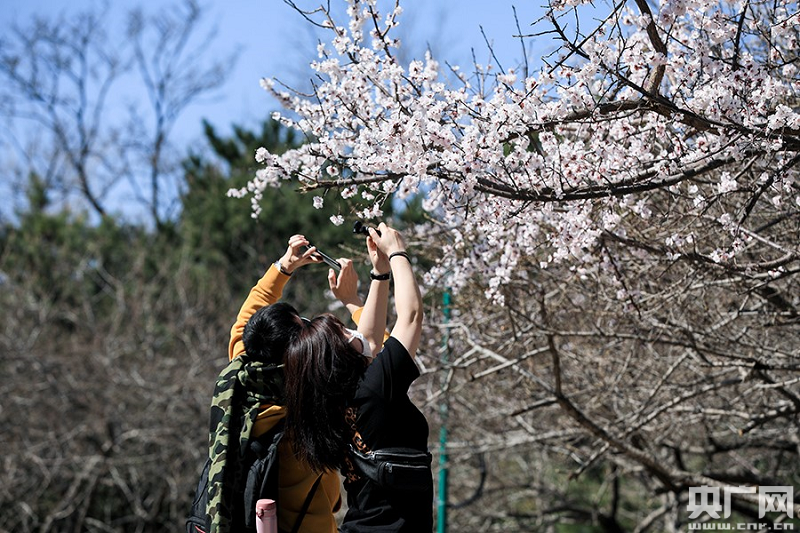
{"x": 266, "y": 516}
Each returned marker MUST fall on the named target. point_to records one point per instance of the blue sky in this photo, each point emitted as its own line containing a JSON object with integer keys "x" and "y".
{"x": 270, "y": 39}
{"x": 274, "y": 41}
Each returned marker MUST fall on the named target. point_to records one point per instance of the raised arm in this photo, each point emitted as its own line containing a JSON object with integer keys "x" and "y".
{"x": 372, "y": 323}
{"x": 269, "y": 288}
{"x": 407, "y": 296}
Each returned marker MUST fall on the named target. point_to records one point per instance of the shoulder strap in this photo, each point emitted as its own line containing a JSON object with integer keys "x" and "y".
{"x": 261, "y": 474}
{"x": 306, "y": 504}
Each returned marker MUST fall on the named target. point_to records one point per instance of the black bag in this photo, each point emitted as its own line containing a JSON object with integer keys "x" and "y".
{"x": 261, "y": 465}
{"x": 395, "y": 468}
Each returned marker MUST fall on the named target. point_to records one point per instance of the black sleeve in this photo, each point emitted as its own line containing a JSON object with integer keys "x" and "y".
{"x": 392, "y": 371}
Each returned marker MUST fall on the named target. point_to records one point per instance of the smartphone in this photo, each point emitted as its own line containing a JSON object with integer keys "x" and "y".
{"x": 328, "y": 260}
{"x": 359, "y": 227}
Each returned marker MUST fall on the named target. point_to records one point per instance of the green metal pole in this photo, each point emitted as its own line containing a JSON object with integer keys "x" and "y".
{"x": 441, "y": 525}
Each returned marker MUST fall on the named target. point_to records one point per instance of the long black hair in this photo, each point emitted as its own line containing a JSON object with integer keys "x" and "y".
{"x": 321, "y": 372}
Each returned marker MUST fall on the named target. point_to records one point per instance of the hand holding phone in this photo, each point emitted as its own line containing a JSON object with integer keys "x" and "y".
{"x": 360, "y": 227}
{"x": 328, "y": 260}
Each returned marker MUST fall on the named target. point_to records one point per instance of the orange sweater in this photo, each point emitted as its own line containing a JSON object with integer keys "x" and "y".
{"x": 295, "y": 478}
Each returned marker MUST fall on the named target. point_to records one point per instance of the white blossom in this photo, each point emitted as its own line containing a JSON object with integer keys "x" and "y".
{"x": 262, "y": 155}
{"x": 726, "y": 183}
{"x": 536, "y": 162}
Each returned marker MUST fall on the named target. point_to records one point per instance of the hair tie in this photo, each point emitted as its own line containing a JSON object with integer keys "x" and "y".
{"x": 403, "y": 254}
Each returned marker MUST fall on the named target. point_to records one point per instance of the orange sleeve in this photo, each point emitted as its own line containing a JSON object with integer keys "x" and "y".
{"x": 356, "y": 316}
{"x": 267, "y": 291}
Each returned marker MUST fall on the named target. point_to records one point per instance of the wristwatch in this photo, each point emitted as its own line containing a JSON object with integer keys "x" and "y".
{"x": 380, "y": 277}
{"x": 280, "y": 268}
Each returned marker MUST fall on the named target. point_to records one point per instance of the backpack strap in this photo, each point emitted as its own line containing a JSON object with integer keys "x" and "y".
{"x": 306, "y": 504}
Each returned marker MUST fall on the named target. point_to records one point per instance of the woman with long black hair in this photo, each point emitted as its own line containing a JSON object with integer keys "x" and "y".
{"x": 343, "y": 404}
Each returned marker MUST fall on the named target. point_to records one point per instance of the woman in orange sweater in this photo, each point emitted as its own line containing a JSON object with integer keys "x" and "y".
{"x": 262, "y": 329}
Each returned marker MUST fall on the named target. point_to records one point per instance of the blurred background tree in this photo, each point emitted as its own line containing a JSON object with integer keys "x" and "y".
{"x": 93, "y": 139}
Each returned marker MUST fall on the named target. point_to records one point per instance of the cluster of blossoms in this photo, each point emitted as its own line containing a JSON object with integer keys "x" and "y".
{"x": 537, "y": 168}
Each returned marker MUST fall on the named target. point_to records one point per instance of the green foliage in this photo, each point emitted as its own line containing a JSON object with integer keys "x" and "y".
{"x": 219, "y": 231}
{"x": 59, "y": 259}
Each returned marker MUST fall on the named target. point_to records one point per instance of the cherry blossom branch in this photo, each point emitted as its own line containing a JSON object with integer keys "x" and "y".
{"x": 768, "y": 183}
{"x": 658, "y": 46}
{"x": 639, "y": 184}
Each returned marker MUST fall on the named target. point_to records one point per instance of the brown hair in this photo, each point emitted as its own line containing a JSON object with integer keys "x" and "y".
{"x": 321, "y": 371}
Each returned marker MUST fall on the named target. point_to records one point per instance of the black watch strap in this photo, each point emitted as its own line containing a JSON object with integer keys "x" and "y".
{"x": 380, "y": 277}
{"x": 280, "y": 268}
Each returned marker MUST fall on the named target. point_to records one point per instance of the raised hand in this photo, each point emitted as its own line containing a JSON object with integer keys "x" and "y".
{"x": 296, "y": 256}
